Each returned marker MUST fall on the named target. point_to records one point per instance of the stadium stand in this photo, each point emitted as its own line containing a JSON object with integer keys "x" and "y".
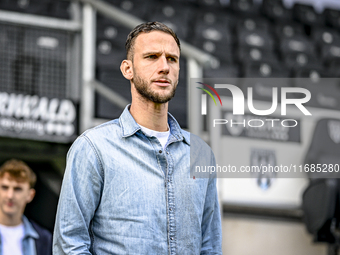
{"x": 249, "y": 38}
{"x": 254, "y": 40}
{"x": 51, "y": 8}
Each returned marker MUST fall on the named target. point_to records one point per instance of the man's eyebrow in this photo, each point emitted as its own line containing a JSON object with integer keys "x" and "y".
{"x": 159, "y": 53}
{"x": 173, "y": 55}
{"x": 151, "y": 53}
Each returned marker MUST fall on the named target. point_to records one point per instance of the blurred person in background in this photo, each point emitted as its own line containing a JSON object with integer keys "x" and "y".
{"x": 127, "y": 186}
{"x": 19, "y": 236}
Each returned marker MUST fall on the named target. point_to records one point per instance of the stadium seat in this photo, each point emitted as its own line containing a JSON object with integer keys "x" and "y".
{"x": 307, "y": 15}
{"x": 297, "y": 44}
{"x": 325, "y": 91}
{"x": 298, "y": 52}
{"x": 296, "y": 61}
{"x": 214, "y": 38}
{"x": 244, "y": 7}
{"x": 217, "y": 33}
{"x": 212, "y": 17}
{"x": 177, "y": 16}
{"x": 319, "y": 205}
{"x": 264, "y": 69}
{"x": 332, "y": 17}
{"x": 328, "y": 41}
{"x": 220, "y": 50}
{"x": 222, "y": 70}
{"x": 325, "y": 36}
{"x": 324, "y": 147}
{"x": 59, "y": 9}
{"x": 253, "y": 24}
{"x": 108, "y": 56}
{"x": 289, "y": 29}
{"x": 276, "y": 11}
{"x": 136, "y": 8}
{"x": 255, "y": 39}
{"x": 264, "y": 76}
{"x": 45, "y": 58}
{"x": 320, "y": 200}
{"x": 111, "y": 31}
{"x": 39, "y": 7}
{"x": 209, "y": 3}
{"x": 330, "y": 55}
{"x": 248, "y": 55}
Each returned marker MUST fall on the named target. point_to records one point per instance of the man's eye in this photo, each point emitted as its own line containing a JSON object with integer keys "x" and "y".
{"x": 152, "y": 56}
{"x": 171, "y": 59}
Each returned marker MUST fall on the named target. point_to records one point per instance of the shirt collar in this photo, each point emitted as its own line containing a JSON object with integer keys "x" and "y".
{"x": 129, "y": 126}
{"x": 29, "y": 230}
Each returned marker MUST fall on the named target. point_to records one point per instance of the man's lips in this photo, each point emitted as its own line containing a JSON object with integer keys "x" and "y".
{"x": 162, "y": 82}
{"x": 10, "y": 204}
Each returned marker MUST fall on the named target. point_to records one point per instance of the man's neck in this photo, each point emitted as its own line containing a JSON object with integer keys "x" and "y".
{"x": 150, "y": 115}
{"x": 10, "y": 221}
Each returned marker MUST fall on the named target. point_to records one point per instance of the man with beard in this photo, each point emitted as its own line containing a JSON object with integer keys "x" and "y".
{"x": 127, "y": 186}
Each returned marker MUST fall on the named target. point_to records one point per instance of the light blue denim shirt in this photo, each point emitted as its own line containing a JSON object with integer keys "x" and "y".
{"x": 28, "y": 242}
{"x": 123, "y": 194}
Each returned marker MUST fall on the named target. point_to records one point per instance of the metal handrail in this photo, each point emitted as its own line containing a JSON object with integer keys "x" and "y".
{"x": 43, "y": 21}
{"x": 109, "y": 94}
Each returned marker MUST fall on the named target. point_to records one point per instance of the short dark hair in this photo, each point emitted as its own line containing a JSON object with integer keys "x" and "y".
{"x": 147, "y": 28}
{"x": 19, "y": 171}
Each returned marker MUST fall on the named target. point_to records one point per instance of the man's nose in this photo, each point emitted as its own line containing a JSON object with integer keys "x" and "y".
{"x": 163, "y": 65}
{"x": 10, "y": 193}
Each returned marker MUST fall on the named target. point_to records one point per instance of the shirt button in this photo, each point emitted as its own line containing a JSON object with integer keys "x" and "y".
{"x": 170, "y": 209}
{"x": 167, "y": 152}
{"x": 160, "y": 151}
{"x": 171, "y": 238}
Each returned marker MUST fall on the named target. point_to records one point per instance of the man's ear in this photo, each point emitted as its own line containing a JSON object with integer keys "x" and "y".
{"x": 126, "y": 69}
{"x": 31, "y": 195}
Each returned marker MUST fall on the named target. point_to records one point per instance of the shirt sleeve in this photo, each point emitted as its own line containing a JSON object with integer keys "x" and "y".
{"x": 79, "y": 198}
{"x": 211, "y": 223}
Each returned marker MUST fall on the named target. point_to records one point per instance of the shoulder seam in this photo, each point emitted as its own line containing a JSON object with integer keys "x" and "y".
{"x": 111, "y": 122}
{"x": 97, "y": 155}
